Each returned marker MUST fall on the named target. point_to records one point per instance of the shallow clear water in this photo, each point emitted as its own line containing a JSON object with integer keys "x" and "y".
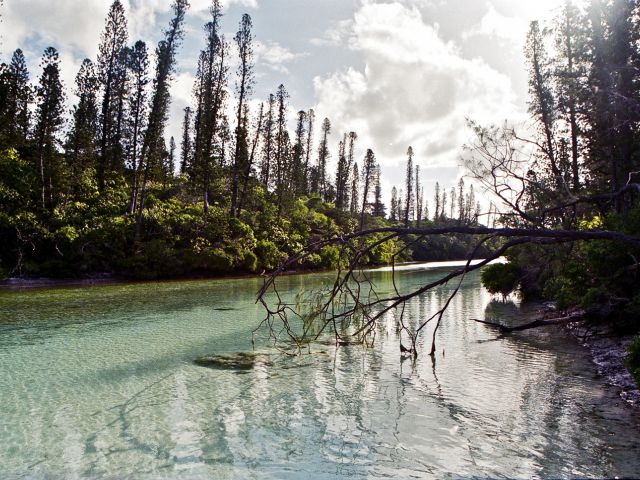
{"x": 100, "y": 383}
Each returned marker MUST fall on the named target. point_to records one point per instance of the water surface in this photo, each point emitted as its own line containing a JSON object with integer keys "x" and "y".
{"x": 100, "y": 383}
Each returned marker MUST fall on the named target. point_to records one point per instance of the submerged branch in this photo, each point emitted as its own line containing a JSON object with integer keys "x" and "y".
{"x": 535, "y": 324}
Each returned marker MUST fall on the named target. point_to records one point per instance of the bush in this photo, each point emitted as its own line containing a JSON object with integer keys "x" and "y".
{"x": 268, "y": 255}
{"x": 250, "y": 262}
{"x": 632, "y": 361}
{"x": 501, "y": 278}
{"x": 330, "y": 257}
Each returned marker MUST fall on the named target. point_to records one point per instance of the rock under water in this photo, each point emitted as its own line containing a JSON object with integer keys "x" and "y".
{"x": 233, "y": 361}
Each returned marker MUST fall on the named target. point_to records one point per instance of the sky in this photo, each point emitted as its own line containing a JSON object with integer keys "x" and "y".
{"x": 399, "y": 73}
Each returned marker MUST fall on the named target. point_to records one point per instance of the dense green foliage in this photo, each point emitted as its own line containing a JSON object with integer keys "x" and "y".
{"x": 500, "y": 278}
{"x": 93, "y": 232}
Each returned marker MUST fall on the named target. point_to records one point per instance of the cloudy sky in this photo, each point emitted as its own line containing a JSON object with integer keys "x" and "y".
{"x": 399, "y": 73}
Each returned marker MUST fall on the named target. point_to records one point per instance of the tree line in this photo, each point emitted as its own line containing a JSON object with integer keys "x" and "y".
{"x": 107, "y": 166}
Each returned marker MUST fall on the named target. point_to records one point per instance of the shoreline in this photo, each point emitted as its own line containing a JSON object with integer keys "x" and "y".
{"x": 608, "y": 352}
{"x": 103, "y": 279}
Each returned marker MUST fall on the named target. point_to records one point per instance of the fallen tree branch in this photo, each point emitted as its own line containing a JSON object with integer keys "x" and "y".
{"x": 535, "y": 324}
{"x": 352, "y": 307}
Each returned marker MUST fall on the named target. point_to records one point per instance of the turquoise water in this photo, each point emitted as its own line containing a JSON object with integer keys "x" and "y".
{"x": 99, "y": 382}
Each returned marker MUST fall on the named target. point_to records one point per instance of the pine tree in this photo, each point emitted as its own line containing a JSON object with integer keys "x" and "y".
{"x": 443, "y": 205}
{"x": 378, "y": 208}
{"x": 368, "y": 179}
{"x": 436, "y": 215}
{"x": 418, "y": 200}
{"x": 244, "y": 86}
{"x": 452, "y": 201}
{"x": 355, "y": 189}
{"x": 602, "y": 164}
{"x": 165, "y": 66}
{"x": 49, "y": 122}
{"x": 138, "y": 65}
{"x": 249, "y": 167}
{"x": 342, "y": 175}
{"x": 281, "y": 146}
{"x": 185, "y": 147}
{"x": 111, "y": 64}
{"x": 570, "y": 45}
{"x": 299, "y": 168}
{"x": 117, "y": 140}
{"x": 14, "y": 121}
{"x": 311, "y": 118}
{"x": 353, "y": 136}
{"x": 461, "y": 213}
{"x": 408, "y": 204}
{"x": 394, "y": 204}
{"x": 82, "y": 139}
{"x": 470, "y": 202}
{"x": 622, "y": 48}
{"x": 171, "y": 166}
{"x": 419, "y": 204}
{"x": 542, "y": 102}
{"x": 210, "y": 93}
{"x": 268, "y": 144}
{"x": 323, "y": 157}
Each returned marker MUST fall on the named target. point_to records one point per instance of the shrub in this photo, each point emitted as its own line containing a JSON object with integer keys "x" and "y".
{"x": 268, "y": 254}
{"x": 250, "y": 262}
{"x": 501, "y": 278}
{"x": 330, "y": 257}
{"x": 219, "y": 261}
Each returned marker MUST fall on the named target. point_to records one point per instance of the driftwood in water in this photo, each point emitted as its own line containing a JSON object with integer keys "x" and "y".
{"x": 535, "y": 324}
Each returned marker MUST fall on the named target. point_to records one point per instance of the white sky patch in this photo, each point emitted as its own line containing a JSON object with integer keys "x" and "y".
{"x": 338, "y": 34}
{"x": 204, "y": 5}
{"x": 416, "y": 89}
{"x": 62, "y": 30}
{"x": 274, "y": 56}
{"x": 498, "y": 25}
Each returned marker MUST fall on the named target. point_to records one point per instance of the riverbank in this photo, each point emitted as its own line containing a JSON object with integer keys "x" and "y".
{"x": 607, "y": 349}
{"x": 111, "y": 279}
{"x": 608, "y": 352}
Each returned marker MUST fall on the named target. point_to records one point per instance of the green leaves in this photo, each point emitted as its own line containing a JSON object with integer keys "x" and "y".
{"x": 501, "y": 278}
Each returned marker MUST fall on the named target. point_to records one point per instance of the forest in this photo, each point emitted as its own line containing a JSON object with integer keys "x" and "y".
{"x": 100, "y": 190}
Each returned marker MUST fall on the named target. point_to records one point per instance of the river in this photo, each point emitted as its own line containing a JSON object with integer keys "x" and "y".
{"x": 99, "y": 382}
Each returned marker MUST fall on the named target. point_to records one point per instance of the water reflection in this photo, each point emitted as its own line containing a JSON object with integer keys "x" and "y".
{"x": 104, "y": 394}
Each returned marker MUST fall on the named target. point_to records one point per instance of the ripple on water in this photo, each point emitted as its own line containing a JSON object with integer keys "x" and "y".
{"x": 99, "y": 383}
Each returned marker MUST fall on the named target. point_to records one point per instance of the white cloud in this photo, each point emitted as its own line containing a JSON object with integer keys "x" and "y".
{"x": 496, "y": 24}
{"x": 337, "y": 35}
{"x": 416, "y": 89}
{"x": 203, "y": 5}
{"x": 274, "y": 56}
{"x": 181, "y": 97}
{"x": 74, "y": 25}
